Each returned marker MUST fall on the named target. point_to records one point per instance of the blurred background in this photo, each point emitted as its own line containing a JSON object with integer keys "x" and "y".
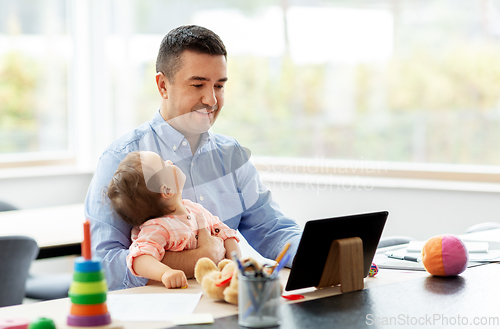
{"x": 394, "y": 80}
{"x": 373, "y": 85}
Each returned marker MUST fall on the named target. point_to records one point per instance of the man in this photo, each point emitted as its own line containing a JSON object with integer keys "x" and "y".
{"x": 191, "y": 75}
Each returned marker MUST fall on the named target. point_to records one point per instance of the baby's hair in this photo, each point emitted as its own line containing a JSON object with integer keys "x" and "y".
{"x": 129, "y": 195}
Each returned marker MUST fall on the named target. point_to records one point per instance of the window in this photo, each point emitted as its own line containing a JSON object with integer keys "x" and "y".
{"x": 397, "y": 81}
{"x": 35, "y": 55}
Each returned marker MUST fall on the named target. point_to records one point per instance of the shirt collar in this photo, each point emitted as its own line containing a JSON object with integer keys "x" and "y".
{"x": 171, "y": 137}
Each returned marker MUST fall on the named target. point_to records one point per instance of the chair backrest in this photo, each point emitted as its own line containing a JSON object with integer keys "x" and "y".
{"x": 16, "y": 255}
{"x": 483, "y": 227}
{"x": 5, "y": 206}
{"x": 394, "y": 240}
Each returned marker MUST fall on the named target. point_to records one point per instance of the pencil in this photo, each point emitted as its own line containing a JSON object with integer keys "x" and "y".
{"x": 280, "y": 256}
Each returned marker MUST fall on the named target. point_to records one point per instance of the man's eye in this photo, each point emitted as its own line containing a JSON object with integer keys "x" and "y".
{"x": 197, "y": 86}
{"x": 219, "y": 87}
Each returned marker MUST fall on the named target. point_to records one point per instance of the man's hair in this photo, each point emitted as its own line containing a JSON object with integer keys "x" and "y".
{"x": 189, "y": 37}
{"x": 129, "y": 195}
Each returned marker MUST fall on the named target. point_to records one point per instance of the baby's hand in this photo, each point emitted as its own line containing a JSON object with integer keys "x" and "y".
{"x": 174, "y": 279}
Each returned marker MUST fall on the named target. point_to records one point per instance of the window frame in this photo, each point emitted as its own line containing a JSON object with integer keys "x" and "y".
{"x": 379, "y": 169}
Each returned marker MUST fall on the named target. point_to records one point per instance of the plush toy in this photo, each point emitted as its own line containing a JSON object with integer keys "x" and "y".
{"x": 445, "y": 255}
{"x": 218, "y": 282}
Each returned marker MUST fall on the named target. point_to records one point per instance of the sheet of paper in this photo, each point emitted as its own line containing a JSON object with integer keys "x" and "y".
{"x": 151, "y": 307}
{"x": 383, "y": 261}
{"x": 490, "y": 256}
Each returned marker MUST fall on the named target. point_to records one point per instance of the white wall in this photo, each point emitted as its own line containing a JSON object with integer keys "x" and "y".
{"x": 39, "y": 191}
{"x": 417, "y": 212}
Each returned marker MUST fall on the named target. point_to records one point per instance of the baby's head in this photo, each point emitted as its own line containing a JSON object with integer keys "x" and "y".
{"x": 143, "y": 187}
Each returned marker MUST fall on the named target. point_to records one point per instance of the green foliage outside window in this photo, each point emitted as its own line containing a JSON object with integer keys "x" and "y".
{"x": 430, "y": 109}
{"x": 18, "y": 123}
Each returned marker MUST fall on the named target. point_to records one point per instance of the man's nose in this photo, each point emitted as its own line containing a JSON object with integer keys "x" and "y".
{"x": 209, "y": 97}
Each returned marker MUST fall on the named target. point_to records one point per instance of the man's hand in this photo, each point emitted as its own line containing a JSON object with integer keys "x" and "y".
{"x": 174, "y": 279}
{"x": 210, "y": 246}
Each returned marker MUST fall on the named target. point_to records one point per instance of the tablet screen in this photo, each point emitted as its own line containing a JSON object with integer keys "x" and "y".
{"x": 317, "y": 238}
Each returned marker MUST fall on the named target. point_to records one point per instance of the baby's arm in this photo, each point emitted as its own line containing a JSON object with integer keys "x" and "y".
{"x": 149, "y": 267}
{"x": 232, "y": 245}
{"x": 221, "y": 230}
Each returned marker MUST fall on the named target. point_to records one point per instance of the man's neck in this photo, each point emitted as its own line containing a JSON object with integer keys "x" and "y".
{"x": 194, "y": 142}
{"x": 193, "y": 139}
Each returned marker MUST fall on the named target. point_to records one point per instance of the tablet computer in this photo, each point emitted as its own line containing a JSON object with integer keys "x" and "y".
{"x": 317, "y": 237}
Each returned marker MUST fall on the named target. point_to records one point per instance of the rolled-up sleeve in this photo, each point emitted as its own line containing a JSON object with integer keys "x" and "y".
{"x": 223, "y": 231}
{"x": 217, "y": 227}
{"x": 151, "y": 240}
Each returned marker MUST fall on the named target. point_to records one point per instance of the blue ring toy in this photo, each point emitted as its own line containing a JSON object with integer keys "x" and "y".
{"x": 86, "y": 265}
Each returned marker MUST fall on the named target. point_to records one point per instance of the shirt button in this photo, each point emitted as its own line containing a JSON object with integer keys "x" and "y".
{"x": 192, "y": 164}
{"x": 174, "y": 147}
{"x": 184, "y": 143}
{"x": 217, "y": 230}
{"x": 202, "y": 198}
{"x": 196, "y": 236}
{"x": 188, "y": 217}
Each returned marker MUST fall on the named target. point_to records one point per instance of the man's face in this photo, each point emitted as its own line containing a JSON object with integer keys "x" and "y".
{"x": 196, "y": 96}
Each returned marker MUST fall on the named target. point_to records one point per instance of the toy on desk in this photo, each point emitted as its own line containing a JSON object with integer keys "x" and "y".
{"x": 42, "y": 323}
{"x": 218, "y": 282}
{"x": 445, "y": 255}
{"x": 20, "y": 323}
{"x": 373, "y": 270}
{"x": 221, "y": 282}
{"x": 88, "y": 291}
{"x": 14, "y": 323}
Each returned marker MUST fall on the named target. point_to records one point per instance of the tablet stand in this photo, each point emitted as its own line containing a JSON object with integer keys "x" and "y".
{"x": 344, "y": 265}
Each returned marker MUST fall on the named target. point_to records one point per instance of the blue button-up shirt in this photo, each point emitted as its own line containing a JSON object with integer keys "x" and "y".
{"x": 218, "y": 176}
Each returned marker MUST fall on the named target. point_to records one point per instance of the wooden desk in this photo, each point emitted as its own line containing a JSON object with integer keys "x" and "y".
{"x": 57, "y": 230}
{"x": 59, "y": 309}
{"x": 392, "y": 295}
{"x": 466, "y": 301}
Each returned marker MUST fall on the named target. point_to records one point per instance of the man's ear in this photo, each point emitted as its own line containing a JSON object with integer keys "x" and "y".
{"x": 166, "y": 192}
{"x": 161, "y": 83}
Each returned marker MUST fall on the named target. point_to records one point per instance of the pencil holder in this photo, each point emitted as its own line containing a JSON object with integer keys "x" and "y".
{"x": 259, "y": 301}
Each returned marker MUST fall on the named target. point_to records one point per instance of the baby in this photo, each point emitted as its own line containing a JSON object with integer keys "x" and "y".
{"x": 146, "y": 192}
